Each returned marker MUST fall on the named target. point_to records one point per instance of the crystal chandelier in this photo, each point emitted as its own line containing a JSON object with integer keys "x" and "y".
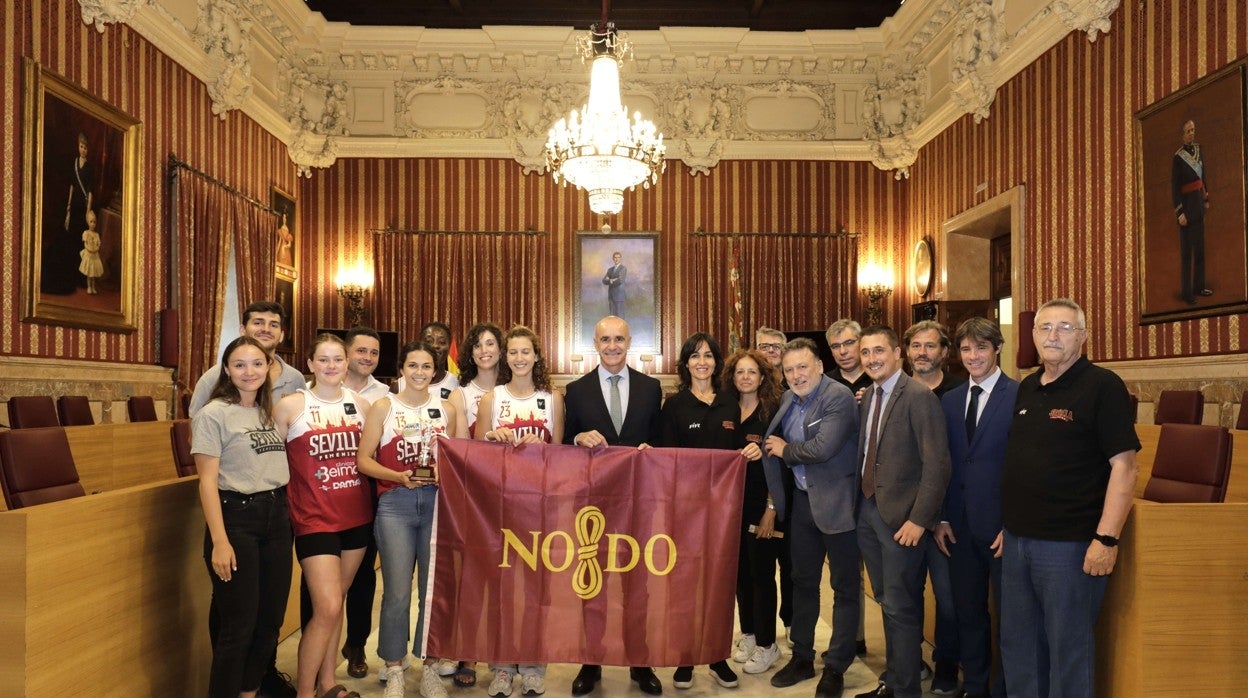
{"x": 597, "y": 148}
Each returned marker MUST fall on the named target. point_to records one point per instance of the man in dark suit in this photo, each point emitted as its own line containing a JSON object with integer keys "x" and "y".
{"x": 977, "y": 420}
{"x": 614, "y": 280}
{"x": 815, "y": 433}
{"x": 612, "y": 405}
{"x": 1190, "y": 195}
{"x": 905, "y": 469}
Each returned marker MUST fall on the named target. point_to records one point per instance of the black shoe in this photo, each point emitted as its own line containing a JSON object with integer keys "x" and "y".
{"x": 275, "y": 684}
{"x": 945, "y": 682}
{"x": 796, "y": 670}
{"x": 1205, "y": 292}
{"x": 881, "y": 691}
{"x": 861, "y": 648}
{"x": 586, "y": 678}
{"x": 357, "y": 667}
{"x": 646, "y": 680}
{"x": 831, "y": 684}
{"x": 724, "y": 675}
{"x": 683, "y": 677}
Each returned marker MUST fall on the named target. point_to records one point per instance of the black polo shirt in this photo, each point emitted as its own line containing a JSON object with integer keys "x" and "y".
{"x": 864, "y": 381}
{"x": 1057, "y": 457}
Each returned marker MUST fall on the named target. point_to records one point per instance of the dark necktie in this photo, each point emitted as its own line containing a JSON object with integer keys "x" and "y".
{"x": 873, "y": 439}
{"x": 972, "y": 412}
{"x": 616, "y": 407}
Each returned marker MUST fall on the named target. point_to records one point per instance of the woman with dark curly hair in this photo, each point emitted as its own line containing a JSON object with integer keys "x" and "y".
{"x": 700, "y": 416}
{"x": 751, "y": 381}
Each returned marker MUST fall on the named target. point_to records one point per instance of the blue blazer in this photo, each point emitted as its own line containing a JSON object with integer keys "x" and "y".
{"x": 827, "y": 451}
{"x": 973, "y": 499}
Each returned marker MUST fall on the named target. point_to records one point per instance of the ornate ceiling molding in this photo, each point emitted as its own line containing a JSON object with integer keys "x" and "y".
{"x": 332, "y": 90}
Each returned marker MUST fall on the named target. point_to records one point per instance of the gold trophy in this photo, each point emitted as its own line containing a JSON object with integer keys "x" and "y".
{"x": 422, "y": 434}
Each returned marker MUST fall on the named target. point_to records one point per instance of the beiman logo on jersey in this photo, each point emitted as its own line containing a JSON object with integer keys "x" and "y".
{"x": 556, "y": 552}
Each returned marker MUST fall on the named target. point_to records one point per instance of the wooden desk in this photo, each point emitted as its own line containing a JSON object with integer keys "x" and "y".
{"x": 106, "y": 595}
{"x": 112, "y": 456}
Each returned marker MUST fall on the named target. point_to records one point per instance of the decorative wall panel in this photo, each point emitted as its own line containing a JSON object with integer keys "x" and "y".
{"x": 1064, "y": 128}
{"x": 121, "y": 68}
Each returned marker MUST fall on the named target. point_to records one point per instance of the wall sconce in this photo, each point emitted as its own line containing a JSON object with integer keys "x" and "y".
{"x": 876, "y": 281}
{"x": 353, "y": 285}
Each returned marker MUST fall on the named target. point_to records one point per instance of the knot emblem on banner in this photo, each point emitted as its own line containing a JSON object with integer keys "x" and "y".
{"x": 556, "y": 551}
{"x": 587, "y": 579}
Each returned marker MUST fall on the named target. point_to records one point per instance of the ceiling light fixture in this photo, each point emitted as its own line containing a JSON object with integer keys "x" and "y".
{"x": 597, "y": 148}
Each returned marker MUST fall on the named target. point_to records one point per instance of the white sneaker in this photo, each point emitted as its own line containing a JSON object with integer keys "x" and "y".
{"x": 745, "y": 648}
{"x": 381, "y": 670}
{"x": 501, "y": 685}
{"x": 532, "y": 685}
{"x": 446, "y": 667}
{"x": 395, "y": 685}
{"x": 431, "y": 684}
{"x": 762, "y": 659}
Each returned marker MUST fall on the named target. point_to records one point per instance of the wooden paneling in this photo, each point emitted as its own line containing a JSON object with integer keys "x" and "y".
{"x": 114, "y": 585}
{"x": 113, "y": 456}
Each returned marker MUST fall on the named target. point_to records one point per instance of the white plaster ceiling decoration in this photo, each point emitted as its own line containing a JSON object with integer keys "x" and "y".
{"x": 875, "y": 94}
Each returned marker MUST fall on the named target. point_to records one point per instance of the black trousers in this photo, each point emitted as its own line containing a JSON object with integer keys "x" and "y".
{"x": 756, "y": 587}
{"x": 1192, "y": 258}
{"x": 249, "y": 608}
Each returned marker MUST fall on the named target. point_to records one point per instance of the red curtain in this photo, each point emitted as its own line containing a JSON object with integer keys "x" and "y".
{"x": 786, "y": 281}
{"x": 461, "y": 279}
{"x": 210, "y": 219}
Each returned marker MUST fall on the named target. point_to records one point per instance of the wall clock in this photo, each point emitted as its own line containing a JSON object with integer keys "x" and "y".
{"x": 923, "y": 268}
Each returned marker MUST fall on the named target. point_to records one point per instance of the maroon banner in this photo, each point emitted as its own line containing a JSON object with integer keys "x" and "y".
{"x": 547, "y": 553}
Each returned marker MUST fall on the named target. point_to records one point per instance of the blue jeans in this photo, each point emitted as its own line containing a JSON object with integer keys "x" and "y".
{"x": 1048, "y": 617}
{"x": 403, "y": 527}
{"x": 896, "y": 573}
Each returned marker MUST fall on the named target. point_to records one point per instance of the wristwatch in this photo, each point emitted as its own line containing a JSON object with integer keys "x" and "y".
{"x": 1107, "y": 541}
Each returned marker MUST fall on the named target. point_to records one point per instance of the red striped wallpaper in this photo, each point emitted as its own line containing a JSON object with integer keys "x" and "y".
{"x": 123, "y": 69}
{"x": 340, "y": 206}
{"x": 1064, "y": 128}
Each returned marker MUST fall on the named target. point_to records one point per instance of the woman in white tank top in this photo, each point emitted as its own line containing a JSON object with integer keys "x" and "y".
{"x": 523, "y": 410}
{"x": 391, "y": 448}
{"x": 478, "y": 370}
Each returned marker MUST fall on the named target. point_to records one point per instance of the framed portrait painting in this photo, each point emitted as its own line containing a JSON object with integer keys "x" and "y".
{"x": 285, "y": 297}
{"x": 79, "y": 207}
{"x": 1193, "y": 251}
{"x": 286, "y": 233}
{"x": 617, "y": 274}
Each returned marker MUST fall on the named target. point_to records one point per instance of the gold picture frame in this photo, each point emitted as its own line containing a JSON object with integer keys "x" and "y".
{"x": 287, "y": 234}
{"x": 80, "y": 207}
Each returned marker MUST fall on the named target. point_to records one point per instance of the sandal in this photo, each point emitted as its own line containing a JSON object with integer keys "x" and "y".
{"x": 465, "y": 676}
{"x": 339, "y": 691}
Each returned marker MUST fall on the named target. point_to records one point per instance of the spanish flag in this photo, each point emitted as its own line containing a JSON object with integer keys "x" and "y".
{"x": 451, "y": 354}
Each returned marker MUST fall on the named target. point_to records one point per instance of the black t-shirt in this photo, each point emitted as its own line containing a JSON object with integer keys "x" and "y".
{"x": 687, "y": 422}
{"x": 947, "y": 382}
{"x": 863, "y": 381}
{"x": 754, "y": 497}
{"x": 1057, "y": 457}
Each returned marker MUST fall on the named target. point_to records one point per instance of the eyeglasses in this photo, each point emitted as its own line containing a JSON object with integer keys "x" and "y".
{"x": 847, "y": 344}
{"x": 770, "y": 347}
{"x": 1063, "y": 329}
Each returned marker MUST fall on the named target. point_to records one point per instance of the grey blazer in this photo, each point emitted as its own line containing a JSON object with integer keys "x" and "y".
{"x": 912, "y": 459}
{"x": 831, "y": 429}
